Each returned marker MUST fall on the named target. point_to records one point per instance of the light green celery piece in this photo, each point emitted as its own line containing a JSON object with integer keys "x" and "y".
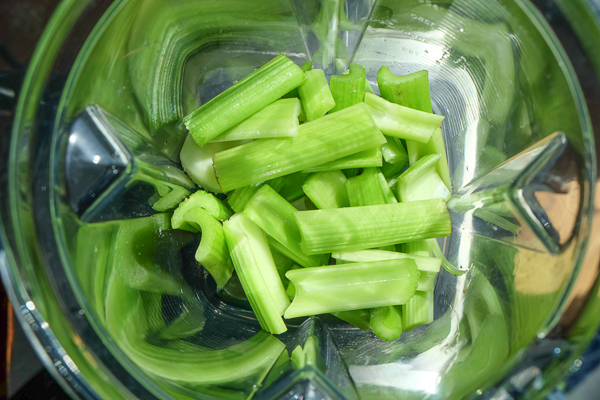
{"x": 364, "y": 189}
{"x": 198, "y": 162}
{"x": 386, "y": 322}
{"x": 312, "y": 354}
{"x": 358, "y": 318}
{"x": 276, "y": 246}
{"x": 212, "y": 252}
{"x": 348, "y": 89}
{"x": 434, "y": 246}
{"x": 358, "y": 228}
{"x": 418, "y": 248}
{"x": 410, "y": 90}
{"x": 329, "y": 138}
{"x": 418, "y": 310}
{"x": 283, "y": 264}
{"x": 307, "y": 66}
{"x": 387, "y": 192}
{"x": 257, "y": 272}
{"x": 297, "y": 358}
{"x": 421, "y": 182}
{"x": 424, "y": 263}
{"x": 436, "y": 145}
{"x": 292, "y": 187}
{"x": 393, "y": 152}
{"x": 426, "y": 281}
{"x": 363, "y": 159}
{"x": 290, "y": 290}
{"x": 273, "y": 214}
{"x": 315, "y": 95}
{"x": 248, "y": 96}
{"x": 335, "y": 288}
{"x": 202, "y": 199}
{"x": 240, "y": 196}
{"x": 391, "y": 171}
{"x": 327, "y": 189}
{"x": 277, "y": 120}
{"x": 171, "y": 199}
{"x": 402, "y": 122}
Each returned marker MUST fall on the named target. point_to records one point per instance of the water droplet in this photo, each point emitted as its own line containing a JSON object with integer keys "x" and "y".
{"x": 461, "y": 30}
{"x": 479, "y": 392}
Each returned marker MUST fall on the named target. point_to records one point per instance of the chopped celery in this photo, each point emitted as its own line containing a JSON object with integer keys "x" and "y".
{"x": 418, "y": 310}
{"x": 386, "y": 322}
{"x": 358, "y": 318}
{"x": 435, "y": 247}
{"x": 198, "y": 162}
{"x": 297, "y": 358}
{"x": 277, "y": 120}
{"x": 312, "y": 354}
{"x": 363, "y": 159}
{"x": 388, "y": 195}
{"x": 355, "y": 286}
{"x": 307, "y": 66}
{"x": 171, "y": 199}
{"x": 329, "y": 138}
{"x": 327, "y": 189}
{"x": 357, "y": 228}
{"x": 256, "y": 269}
{"x": 426, "y": 281}
{"x": 273, "y": 214}
{"x": 349, "y": 89}
{"x": 240, "y": 196}
{"x": 202, "y": 199}
{"x": 292, "y": 187}
{"x": 251, "y": 94}
{"x": 409, "y": 90}
{"x": 212, "y": 252}
{"x": 393, "y": 152}
{"x": 421, "y": 181}
{"x": 402, "y": 122}
{"x": 364, "y": 189}
{"x": 315, "y": 95}
{"x": 424, "y": 263}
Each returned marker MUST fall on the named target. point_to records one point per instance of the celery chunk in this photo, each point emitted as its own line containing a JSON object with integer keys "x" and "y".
{"x": 386, "y": 322}
{"x": 349, "y": 89}
{"x": 315, "y": 95}
{"x": 422, "y": 182}
{"x": 327, "y": 189}
{"x": 202, "y": 199}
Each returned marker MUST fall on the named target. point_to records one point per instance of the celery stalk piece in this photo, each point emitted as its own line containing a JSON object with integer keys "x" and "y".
{"x": 358, "y": 318}
{"x": 240, "y": 196}
{"x": 364, "y": 189}
{"x": 335, "y": 288}
{"x": 202, "y": 199}
{"x": 273, "y": 214}
{"x": 409, "y": 90}
{"x": 386, "y": 322}
{"x": 358, "y": 228}
{"x": 171, "y": 199}
{"x": 329, "y": 138}
{"x": 426, "y": 281}
{"x": 315, "y": 95}
{"x": 349, "y": 89}
{"x": 212, "y": 252}
{"x": 277, "y": 120}
{"x": 251, "y": 94}
{"x": 307, "y": 66}
{"x": 424, "y": 263}
{"x": 276, "y": 246}
{"x": 198, "y": 162}
{"x": 421, "y": 182}
{"x": 419, "y": 248}
{"x": 363, "y": 159}
{"x": 388, "y": 194}
{"x": 292, "y": 187}
{"x": 290, "y": 290}
{"x": 418, "y": 311}
{"x": 402, "y": 122}
{"x": 297, "y": 358}
{"x": 394, "y": 153}
{"x": 435, "y": 145}
{"x": 327, "y": 189}
{"x": 256, "y": 269}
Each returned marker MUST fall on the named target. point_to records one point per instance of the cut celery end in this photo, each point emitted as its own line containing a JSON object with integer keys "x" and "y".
{"x": 327, "y": 189}
{"x": 409, "y": 90}
{"x": 388, "y": 194}
{"x": 421, "y": 181}
{"x": 256, "y": 269}
{"x": 315, "y": 95}
{"x": 358, "y": 228}
{"x": 426, "y": 281}
{"x": 363, "y": 159}
{"x": 273, "y": 214}
{"x": 424, "y": 263}
{"x": 358, "y": 318}
{"x": 345, "y": 287}
{"x": 277, "y": 120}
{"x": 171, "y": 199}
{"x": 435, "y": 145}
{"x": 202, "y": 199}
{"x": 198, "y": 162}
{"x": 292, "y": 187}
{"x": 212, "y": 252}
{"x": 402, "y": 122}
{"x": 329, "y": 138}
{"x": 307, "y": 66}
{"x": 386, "y": 322}
{"x": 297, "y": 358}
{"x": 393, "y": 152}
{"x": 240, "y": 196}
{"x": 418, "y": 311}
{"x": 348, "y": 89}
{"x": 364, "y": 189}
{"x": 248, "y": 96}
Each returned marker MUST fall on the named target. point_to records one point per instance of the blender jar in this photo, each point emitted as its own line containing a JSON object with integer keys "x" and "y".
{"x": 113, "y": 299}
